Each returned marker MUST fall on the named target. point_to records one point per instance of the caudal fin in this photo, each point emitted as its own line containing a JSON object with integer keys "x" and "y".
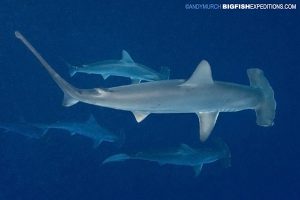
{"x": 165, "y": 73}
{"x": 70, "y": 92}
{"x": 265, "y": 112}
{"x": 116, "y": 158}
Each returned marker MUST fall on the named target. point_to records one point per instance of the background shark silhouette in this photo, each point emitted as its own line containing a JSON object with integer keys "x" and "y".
{"x": 126, "y": 67}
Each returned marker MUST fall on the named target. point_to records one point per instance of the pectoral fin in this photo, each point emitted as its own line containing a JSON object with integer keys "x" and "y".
{"x": 140, "y": 116}
{"x": 97, "y": 143}
{"x": 207, "y": 122}
{"x": 72, "y": 133}
{"x": 198, "y": 169}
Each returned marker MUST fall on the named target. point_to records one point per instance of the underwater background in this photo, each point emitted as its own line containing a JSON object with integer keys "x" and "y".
{"x": 265, "y": 161}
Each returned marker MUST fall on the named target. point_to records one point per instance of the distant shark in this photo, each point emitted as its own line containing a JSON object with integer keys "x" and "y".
{"x": 23, "y": 128}
{"x": 183, "y": 155}
{"x": 125, "y": 67}
{"x": 90, "y": 129}
{"x": 199, "y": 94}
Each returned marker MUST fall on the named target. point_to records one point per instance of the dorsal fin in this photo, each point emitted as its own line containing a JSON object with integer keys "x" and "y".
{"x": 202, "y": 75}
{"x": 105, "y": 76}
{"x": 91, "y": 119}
{"x": 126, "y": 57}
{"x": 186, "y": 148}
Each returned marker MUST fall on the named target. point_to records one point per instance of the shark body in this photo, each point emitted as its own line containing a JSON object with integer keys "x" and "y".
{"x": 199, "y": 94}
{"x": 23, "y": 128}
{"x": 90, "y": 129}
{"x": 125, "y": 67}
{"x": 183, "y": 155}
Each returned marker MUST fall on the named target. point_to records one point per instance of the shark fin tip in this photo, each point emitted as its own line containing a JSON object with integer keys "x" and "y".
{"x": 69, "y": 101}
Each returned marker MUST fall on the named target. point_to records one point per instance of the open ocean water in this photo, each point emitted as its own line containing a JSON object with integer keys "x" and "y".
{"x": 264, "y": 161}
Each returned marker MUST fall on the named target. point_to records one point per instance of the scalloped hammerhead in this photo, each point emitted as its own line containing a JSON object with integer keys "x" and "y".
{"x": 200, "y": 94}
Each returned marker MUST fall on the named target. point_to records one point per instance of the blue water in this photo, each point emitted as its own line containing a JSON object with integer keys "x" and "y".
{"x": 265, "y": 161}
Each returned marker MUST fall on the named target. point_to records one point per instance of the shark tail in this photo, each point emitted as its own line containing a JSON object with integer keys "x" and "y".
{"x": 116, "y": 158}
{"x": 70, "y": 93}
{"x": 265, "y": 112}
{"x": 165, "y": 73}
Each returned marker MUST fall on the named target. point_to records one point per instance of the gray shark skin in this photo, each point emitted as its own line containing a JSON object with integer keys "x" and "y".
{"x": 200, "y": 94}
{"x": 23, "y": 128}
{"x": 89, "y": 128}
{"x": 183, "y": 155}
{"x": 125, "y": 67}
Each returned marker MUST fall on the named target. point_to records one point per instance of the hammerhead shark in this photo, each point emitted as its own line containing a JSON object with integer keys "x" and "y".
{"x": 23, "y": 128}
{"x": 125, "y": 67}
{"x": 183, "y": 155}
{"x": 199, "y": 94}
{"x": 89, "y": 128}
